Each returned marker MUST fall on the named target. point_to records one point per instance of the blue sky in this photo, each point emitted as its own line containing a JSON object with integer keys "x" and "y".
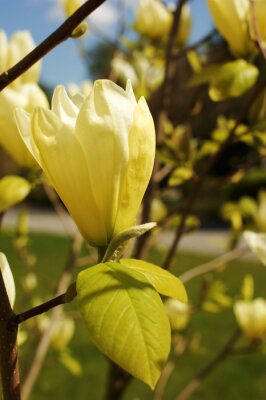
{"x": 63, "y": 64}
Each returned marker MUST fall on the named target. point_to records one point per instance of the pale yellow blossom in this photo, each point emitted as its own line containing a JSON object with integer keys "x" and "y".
{"x": 98, "y": 156}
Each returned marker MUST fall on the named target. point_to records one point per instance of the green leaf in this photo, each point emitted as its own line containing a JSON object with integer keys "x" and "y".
{"x": 227, "y": 80}
{"x": 232, "y": 80}
{"x": 204, "y": 76}
{"x": 125, "y": 318}
{"x": 163, "y": 281}
{"x": 180, "y": 175}
{"x": 13, "y": 189}
{"x": 70, "y": 363}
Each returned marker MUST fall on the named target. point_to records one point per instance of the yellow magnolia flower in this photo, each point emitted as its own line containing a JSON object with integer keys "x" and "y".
{"x": 26, "y": 96}
{"x": 83, "y": 89}
{"x": 98, "y": 155}
{"x": 23, "y": 92}
{"x": 153, "y": 19}
{"x": 8, "y": 279}
{"x": 257, "y": 244}
{"x": 185, "y": 25}
{"x": 251, "y": 317}
{"x": 179, "y": 314}
{"x": 231, "y": 20}
{"x": 12, "y": 51}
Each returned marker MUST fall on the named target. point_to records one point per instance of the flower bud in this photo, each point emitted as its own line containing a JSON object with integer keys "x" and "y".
{"x": 251, "y": 317}
{"x": 231, "y": 20}
{"x": 178, "y": 313}
{"x": 98, "y": 157}
{"x": 257, "y": 244}
{"x": 70, "y": 6}
{"x": 12, "y": 51}
{"x": 153, "y": 19}
{"x": 27, "y": 96}
{"x": 8, "y": 279}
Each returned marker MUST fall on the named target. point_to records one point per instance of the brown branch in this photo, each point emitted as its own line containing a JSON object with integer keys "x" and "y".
{"x": 159, "y": 116}
{"x": 40, "y": 309}
{"x": 8, "y": 348}
{"x": 215, "y": 362}
{"x": 58, "y": 36}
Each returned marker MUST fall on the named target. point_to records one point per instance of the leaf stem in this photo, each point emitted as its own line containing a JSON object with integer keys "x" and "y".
{"x": 40, "y": 309}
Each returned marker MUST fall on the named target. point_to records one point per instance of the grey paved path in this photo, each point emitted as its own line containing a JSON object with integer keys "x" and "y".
{"x": 203, "y": 241}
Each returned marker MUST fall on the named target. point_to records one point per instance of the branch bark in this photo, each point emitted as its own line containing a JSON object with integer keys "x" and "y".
{"x": 58, "y": 36}
{"x": 8, "y": 348}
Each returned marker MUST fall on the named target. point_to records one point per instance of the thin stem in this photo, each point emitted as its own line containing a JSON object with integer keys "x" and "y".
{"x": 215, "y": 362}
{"x": 43, "y": 345}
{"x": 40, "y": 309}
{"x": 8, "y": 348}
{"x": 213, "y": 264}
{"x": 58, "y": 36}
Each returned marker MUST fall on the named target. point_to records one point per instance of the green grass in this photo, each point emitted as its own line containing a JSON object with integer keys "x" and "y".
{"x": 239, "y": 377}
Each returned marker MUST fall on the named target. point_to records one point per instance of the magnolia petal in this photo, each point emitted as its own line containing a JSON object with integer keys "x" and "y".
{"x": 3, "y": 51}
{"x": 257, "y": 244}
{"x": 8, "y": 279}
{"x": 139, "y": 169}
{"x": 63, "y": 161}
{"x": 64, "y": 107}
{"x": 251, "y": 317}
{"x": 20, "y": 44}
{"x": 102, "y": 128}
{"x": 10, "y": 138}
{"x": 23, "y": 121}
{"x": 230, "y": 20}
{"x": 34, "y": 95}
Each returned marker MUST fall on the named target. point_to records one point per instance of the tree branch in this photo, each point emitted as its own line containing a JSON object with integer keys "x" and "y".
{"x": 213, "y": 264}
{"x": 189, "y": 203}
{"x": 8, "y": 348}
{"x": 58, "y": 36}
{"x": 201, "y": 375}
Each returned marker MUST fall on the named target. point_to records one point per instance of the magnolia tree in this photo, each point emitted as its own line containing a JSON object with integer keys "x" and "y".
{"x": 95, "y": 147}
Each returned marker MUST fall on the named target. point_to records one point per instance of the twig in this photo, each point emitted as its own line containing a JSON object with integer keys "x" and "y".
{"x": 257, "y": 40}
{"x": 40, "y": 309}
{"x": 58, "y": 36}
{"x": 159, "y": 116}
{"x": 8, "y": 348}
{"x": 213, "y": 264}
{"x": 45, "y": 339}
{"x": 199, "y": 184}
{"x": 164, "y": 378}
{"x": 215, "y": 362}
